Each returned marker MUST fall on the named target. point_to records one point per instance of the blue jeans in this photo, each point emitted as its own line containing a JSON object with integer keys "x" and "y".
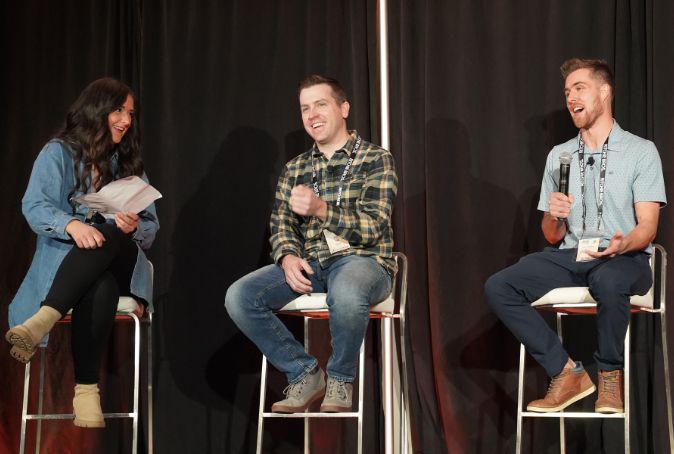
{"x": 353, "y": 284}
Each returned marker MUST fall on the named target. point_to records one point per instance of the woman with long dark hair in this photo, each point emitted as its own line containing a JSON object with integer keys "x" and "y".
{"x": 82, "y": 261}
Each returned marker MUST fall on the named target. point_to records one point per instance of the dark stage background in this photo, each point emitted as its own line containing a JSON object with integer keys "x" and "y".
{"x": 476, "y": 103}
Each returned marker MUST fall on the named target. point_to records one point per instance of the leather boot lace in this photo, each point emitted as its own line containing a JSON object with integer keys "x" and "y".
{"x": 609, "y": 384}
{"x": 555, "y": 383}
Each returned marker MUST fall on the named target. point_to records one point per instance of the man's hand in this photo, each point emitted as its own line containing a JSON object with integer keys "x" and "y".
{"x": 560, "y": 205}
{"x": 85, "y": 236}
{"x": 293, "y": 266}
{"x": 640, "y": 237}
{"x": 303, "y": 201}
{"x": 614, "y": 247}
{"x": 127, "y": 222}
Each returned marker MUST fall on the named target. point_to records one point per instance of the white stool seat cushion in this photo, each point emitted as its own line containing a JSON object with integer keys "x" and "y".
{"x": 127, "y": 305}
{"x": 313, "y": 302}
{"x": 580, "y": 296}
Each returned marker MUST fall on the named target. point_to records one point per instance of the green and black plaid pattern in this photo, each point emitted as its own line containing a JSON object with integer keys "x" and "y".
{"x": 363, "y": 217}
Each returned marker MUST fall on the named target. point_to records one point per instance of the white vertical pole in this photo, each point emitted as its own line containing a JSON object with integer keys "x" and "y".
{"x": 382, "y": 15}
{"x": 382, "y": 38}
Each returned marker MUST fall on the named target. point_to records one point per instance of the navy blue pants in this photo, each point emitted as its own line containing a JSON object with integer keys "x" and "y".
{"x": 611, "y": 281}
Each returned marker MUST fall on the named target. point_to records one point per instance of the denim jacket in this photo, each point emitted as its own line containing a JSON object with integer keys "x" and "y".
{"x": 46, "y": 208}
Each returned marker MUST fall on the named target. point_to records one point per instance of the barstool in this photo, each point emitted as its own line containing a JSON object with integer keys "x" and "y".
{"x": 314, "y": 306}
{"x": 577, "y": 300}
{"x": 127, "y": 309}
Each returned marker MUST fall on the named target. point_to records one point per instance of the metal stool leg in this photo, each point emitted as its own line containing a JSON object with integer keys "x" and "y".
{"x": 404, "y": 427}
{"x": 263, "y": 394}
{"x": 40, "y": 398}
{"x": 562, "y": 428}
{"x": 663, "y": 338}
{"x": 404, "y": 392}
{"x": 668, "y": 390}
{"x": 307, "y": 423}
{"x": 626, "y": 391}
{"x": 520, "y": 403}
{"x": 361, "y": 397}
{"x": 136, "y": 380}
{"x": 388, "y": 386}
{"x": 150, "y": 428}
{"x": 24, "y": 408}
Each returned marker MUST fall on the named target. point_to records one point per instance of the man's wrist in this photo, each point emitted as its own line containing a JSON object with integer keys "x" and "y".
{"x": 284, "y": 256}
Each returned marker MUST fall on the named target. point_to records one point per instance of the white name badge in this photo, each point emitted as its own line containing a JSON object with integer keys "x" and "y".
{"x": 335, "y": 242}
{"x": 589, "y": 242}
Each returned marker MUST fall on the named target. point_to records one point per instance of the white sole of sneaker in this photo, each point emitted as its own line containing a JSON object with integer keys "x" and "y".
{"x": 288, "y": 409}
{"x": 335, "y": 409}
{"x": 609, "y": 410}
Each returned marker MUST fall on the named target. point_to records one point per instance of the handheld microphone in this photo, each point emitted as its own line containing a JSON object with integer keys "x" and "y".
{"x": 564, "y": 169}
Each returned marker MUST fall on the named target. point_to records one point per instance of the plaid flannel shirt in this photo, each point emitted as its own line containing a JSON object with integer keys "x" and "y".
{"x": 363, "y": 217}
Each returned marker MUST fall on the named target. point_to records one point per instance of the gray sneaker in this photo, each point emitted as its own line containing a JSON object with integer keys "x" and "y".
{"x": 300, "y": 395}
{"x": 337, "y": 396}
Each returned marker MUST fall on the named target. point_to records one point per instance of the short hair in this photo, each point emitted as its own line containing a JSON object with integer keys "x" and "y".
{"x": 599, "y": 69}
{"x": 338, "y": 91}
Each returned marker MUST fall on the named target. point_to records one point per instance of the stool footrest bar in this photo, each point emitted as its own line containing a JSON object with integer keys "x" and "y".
{"x": 311, "y": 415}
{"x": 72, "y": 416}
{"x": 573, "y": 414}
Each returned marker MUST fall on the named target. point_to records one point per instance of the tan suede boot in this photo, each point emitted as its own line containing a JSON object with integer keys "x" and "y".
{"x": 87, "y": 406}
{"x": 25, "y": 338}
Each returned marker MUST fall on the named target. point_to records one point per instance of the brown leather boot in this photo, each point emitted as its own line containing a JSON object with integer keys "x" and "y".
{"x": 610, "y": 399}
{"x": 566, "y": 388}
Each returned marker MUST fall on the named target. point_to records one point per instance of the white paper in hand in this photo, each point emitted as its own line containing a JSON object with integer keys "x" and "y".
{"x": 130, "y": 194}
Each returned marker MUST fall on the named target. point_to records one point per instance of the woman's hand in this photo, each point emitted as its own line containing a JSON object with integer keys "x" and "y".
{"x": 85, "y": 236}
{"x": 127, "y": 222}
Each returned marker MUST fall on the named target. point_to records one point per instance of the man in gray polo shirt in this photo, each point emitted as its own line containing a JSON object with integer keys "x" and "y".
{"x": 605, "y": 226}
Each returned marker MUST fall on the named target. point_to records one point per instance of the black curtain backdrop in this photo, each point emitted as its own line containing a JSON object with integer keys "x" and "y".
{"x": 476, "y": 103}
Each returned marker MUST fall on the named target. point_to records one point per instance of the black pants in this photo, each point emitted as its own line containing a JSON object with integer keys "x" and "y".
{"x": 611, "y": 281}
{"x": 90, "y": 282}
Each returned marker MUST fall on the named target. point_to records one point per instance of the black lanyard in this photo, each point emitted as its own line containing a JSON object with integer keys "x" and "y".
{"x": 602, "y": 179}
{"x": 314, "y": 173}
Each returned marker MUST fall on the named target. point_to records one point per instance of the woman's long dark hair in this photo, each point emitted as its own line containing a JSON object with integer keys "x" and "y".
{"x": 87, "y": 132}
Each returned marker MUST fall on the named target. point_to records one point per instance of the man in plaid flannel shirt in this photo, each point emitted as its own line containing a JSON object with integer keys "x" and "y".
{"x": 330, "y": 232}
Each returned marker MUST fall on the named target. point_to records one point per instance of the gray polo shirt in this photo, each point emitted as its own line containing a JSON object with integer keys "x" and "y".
{"x": 633, "y": 174}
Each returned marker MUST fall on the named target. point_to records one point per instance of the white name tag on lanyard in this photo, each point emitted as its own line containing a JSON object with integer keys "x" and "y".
{"x": 335, "y": 242}
{"x": 589, "y": 243}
